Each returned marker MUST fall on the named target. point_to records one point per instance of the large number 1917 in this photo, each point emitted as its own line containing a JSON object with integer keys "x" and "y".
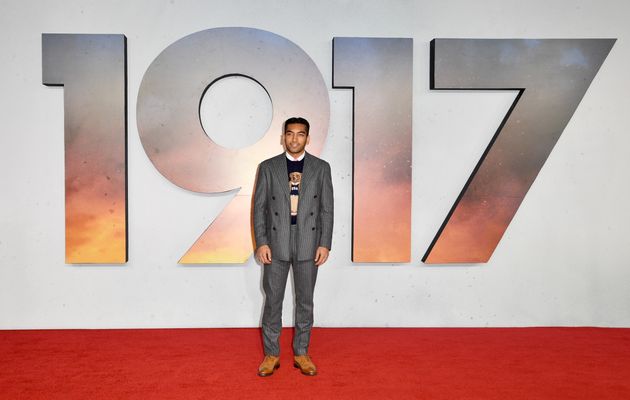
{"x": 549, "y": 77}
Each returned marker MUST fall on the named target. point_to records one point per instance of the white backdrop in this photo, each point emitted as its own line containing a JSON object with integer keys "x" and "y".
{"x": 564, "y": 260}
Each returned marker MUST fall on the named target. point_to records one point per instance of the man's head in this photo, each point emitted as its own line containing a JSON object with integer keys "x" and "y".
{"x": 295, "y": 135}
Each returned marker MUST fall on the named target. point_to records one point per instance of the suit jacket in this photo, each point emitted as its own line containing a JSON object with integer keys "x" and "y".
{"x": 272, "y": 209}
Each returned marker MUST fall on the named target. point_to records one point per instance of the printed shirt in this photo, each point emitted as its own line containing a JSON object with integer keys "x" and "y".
{"x": 294, "y": 168}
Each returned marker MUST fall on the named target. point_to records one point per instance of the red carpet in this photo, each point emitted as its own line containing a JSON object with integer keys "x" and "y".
{"x": 424, "y": 363}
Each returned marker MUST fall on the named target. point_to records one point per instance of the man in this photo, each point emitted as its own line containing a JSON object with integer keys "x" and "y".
{"x": 293, "y": 223}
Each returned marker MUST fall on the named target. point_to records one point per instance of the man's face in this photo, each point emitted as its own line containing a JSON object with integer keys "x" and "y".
{"x": 295, "y": 139}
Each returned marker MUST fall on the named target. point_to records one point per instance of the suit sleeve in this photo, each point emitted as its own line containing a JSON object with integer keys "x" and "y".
{"x": 260, "y": 207}
{"x": 326, "y": 210}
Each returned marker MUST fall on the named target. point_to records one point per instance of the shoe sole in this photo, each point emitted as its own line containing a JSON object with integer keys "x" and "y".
{"x": 271, "y": 373}
{"x": 296, "y": 365}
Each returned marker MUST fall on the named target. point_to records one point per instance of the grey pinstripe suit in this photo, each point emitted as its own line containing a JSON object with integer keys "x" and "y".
{"x": 291, "y": 245}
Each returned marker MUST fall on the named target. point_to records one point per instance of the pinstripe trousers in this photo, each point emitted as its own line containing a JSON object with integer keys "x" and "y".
{"x": 274, "y": 284}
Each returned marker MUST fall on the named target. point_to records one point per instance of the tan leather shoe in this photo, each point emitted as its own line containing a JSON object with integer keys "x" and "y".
{"x": 269, "y": 364}
{"x": 305, "y": 364}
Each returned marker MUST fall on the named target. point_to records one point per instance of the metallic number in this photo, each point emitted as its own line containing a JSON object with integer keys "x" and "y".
{"x": 179, "y": 148}
{"x": 379, "y": 72}
{"x": 551, "y": 77}
{"x": 92, "y": 69}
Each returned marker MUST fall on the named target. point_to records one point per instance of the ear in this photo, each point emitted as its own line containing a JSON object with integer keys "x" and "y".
{"x": 308, "y": 139}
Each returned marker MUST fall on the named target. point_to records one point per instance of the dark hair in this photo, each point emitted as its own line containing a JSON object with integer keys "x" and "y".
{"x": 296, "y": 120}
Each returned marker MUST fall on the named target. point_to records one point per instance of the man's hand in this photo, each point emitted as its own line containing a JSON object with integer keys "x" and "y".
{"x": 263, "y": 254}
{"x": 321, "y": 255}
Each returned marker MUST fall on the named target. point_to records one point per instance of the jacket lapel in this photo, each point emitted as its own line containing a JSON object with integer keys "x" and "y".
{"x": 281, "y": 173}
{"x": 307, "y": 172}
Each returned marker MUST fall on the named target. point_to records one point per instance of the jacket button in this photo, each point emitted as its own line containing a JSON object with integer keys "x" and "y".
{"x": 315, "y": 196}
{"x": 273, "y": 197}
{"x": 311, "y": 213}
{"x": 276, "y": 213}
{"x": 313, "y": 228}
{"x": 274, "y": 228}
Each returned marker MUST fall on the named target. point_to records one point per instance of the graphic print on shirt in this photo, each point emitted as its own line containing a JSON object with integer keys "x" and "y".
{"x": 294, "y": 181}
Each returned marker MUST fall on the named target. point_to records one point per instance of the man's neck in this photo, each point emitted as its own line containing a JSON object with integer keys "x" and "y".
{"x": 295, "y": 157}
